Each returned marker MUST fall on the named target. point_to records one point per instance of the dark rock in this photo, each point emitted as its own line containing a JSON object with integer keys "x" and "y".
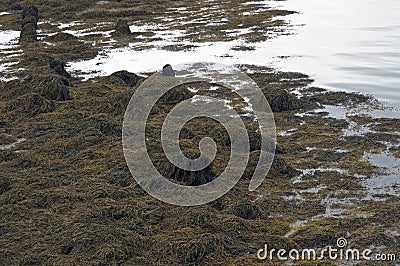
{"x": 30, "y": 17}
{"x": 58, "y": 91}
{"x": 168, "y": 71}
{"x": 194, "y": 178}
{"x": 281, "y": 102}
{"x": 130, "y": 79}
{"x": 30, "y": 14}
{"x": 59, "y": 67}
{"x": 30, "y": 11}
{"x": 121, "y": 28}
{"x": 281, "y": 168}
{"x": 176, "y": 95}
{"x": 28, "y": 33}
{"x": 189, "y": 178}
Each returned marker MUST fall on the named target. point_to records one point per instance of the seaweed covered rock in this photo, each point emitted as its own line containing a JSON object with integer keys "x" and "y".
{"x": 30, "y": 17}
{"x": 189, "y": 178}
{"x": 51, "y": 87}
{"x": 30, "y": 14}
{"x": 121, "y": 28}
{"x": 56, "y": 89}
{"x": 176, "y": 95}
{"x": 130, "y": 79}
{"x": 28, "y": 33}
{"x": 281, "y": 168}
{"x": 60, "y": 37}
{"x": 31, "y": 104}
{"x": 58, "y": 66}
{"x": 280, "y": 100}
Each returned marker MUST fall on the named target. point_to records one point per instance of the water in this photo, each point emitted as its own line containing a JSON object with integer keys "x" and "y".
{"x": 351, "y": 45}
{"x": 341, "y": 44}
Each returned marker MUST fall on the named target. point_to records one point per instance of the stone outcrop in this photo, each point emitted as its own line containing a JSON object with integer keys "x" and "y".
{"x": 122, "y": 28}
{"x": 30, "y": 18}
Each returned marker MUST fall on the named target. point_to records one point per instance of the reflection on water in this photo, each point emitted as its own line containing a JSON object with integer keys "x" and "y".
{"x": 346, "y": 44}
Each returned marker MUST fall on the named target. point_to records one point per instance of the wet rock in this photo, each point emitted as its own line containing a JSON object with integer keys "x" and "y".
{"x": 195, "y": 178}
{"x": 30, "y": 14}
{"x": 28, "y": 33}
{"x": 281, "y": 168}
{"x": 176, "y": 95}
{"x": 52, "y": 87}
{"x": 30, "y": 17}
{"x": 57, "y": 89}
{"x": 130, "y": 79}
{"x": 280, "y": 100}
{"x": 189, "y": 178}
{"x": 122, "y": 28}
{"x": 58, "y": 66}
{"x": 168, "y": 71}
{"x": 246, "y": 211}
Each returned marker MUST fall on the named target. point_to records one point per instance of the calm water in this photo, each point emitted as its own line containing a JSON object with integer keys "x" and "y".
{"x": 344, "y": 44}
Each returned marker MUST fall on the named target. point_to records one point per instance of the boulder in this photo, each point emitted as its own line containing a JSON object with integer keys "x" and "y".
{"x": 58, "y": 66}
{"x": 130, "y": 79}
{"x": 176, "y": 95}
{"x": 168, "y": 71}
{"x": 121, "y": 28}
{"x": 28, "y": 33}
{"x": 280, "y": 100}
{"x": 30, "y": 17}
{"x": 30, "y": 14}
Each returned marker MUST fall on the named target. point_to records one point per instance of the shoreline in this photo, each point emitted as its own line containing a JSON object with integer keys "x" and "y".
{"x": 67, "y": 196}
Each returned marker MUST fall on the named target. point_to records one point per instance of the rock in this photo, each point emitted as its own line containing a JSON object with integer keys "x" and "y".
{"x": 189, "y": 178}
{"x": 122, "y": 28}
{"x": 176, "y": 95}
{"x": 195, "y": 178}
{"x": 57, "y": 90}
{"x": 131, "y": 79}
{"x": 30, "y": 17}
{"x": 28, "y": 33}
{"x": 51, "y": 86}
{"x": 168, "y": 71}
{"x": 59, "y": 67}
{"x": 30, "y": 14}
{"x": 282, "y": 168}
{"x": 280, "y": 100}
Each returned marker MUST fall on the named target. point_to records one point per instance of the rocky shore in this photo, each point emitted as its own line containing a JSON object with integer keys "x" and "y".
{"x": 67, "y": 196}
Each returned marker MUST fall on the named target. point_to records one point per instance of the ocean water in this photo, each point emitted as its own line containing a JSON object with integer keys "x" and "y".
{"x": 346, "y": 45}
{"x": 351, "y": 45}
